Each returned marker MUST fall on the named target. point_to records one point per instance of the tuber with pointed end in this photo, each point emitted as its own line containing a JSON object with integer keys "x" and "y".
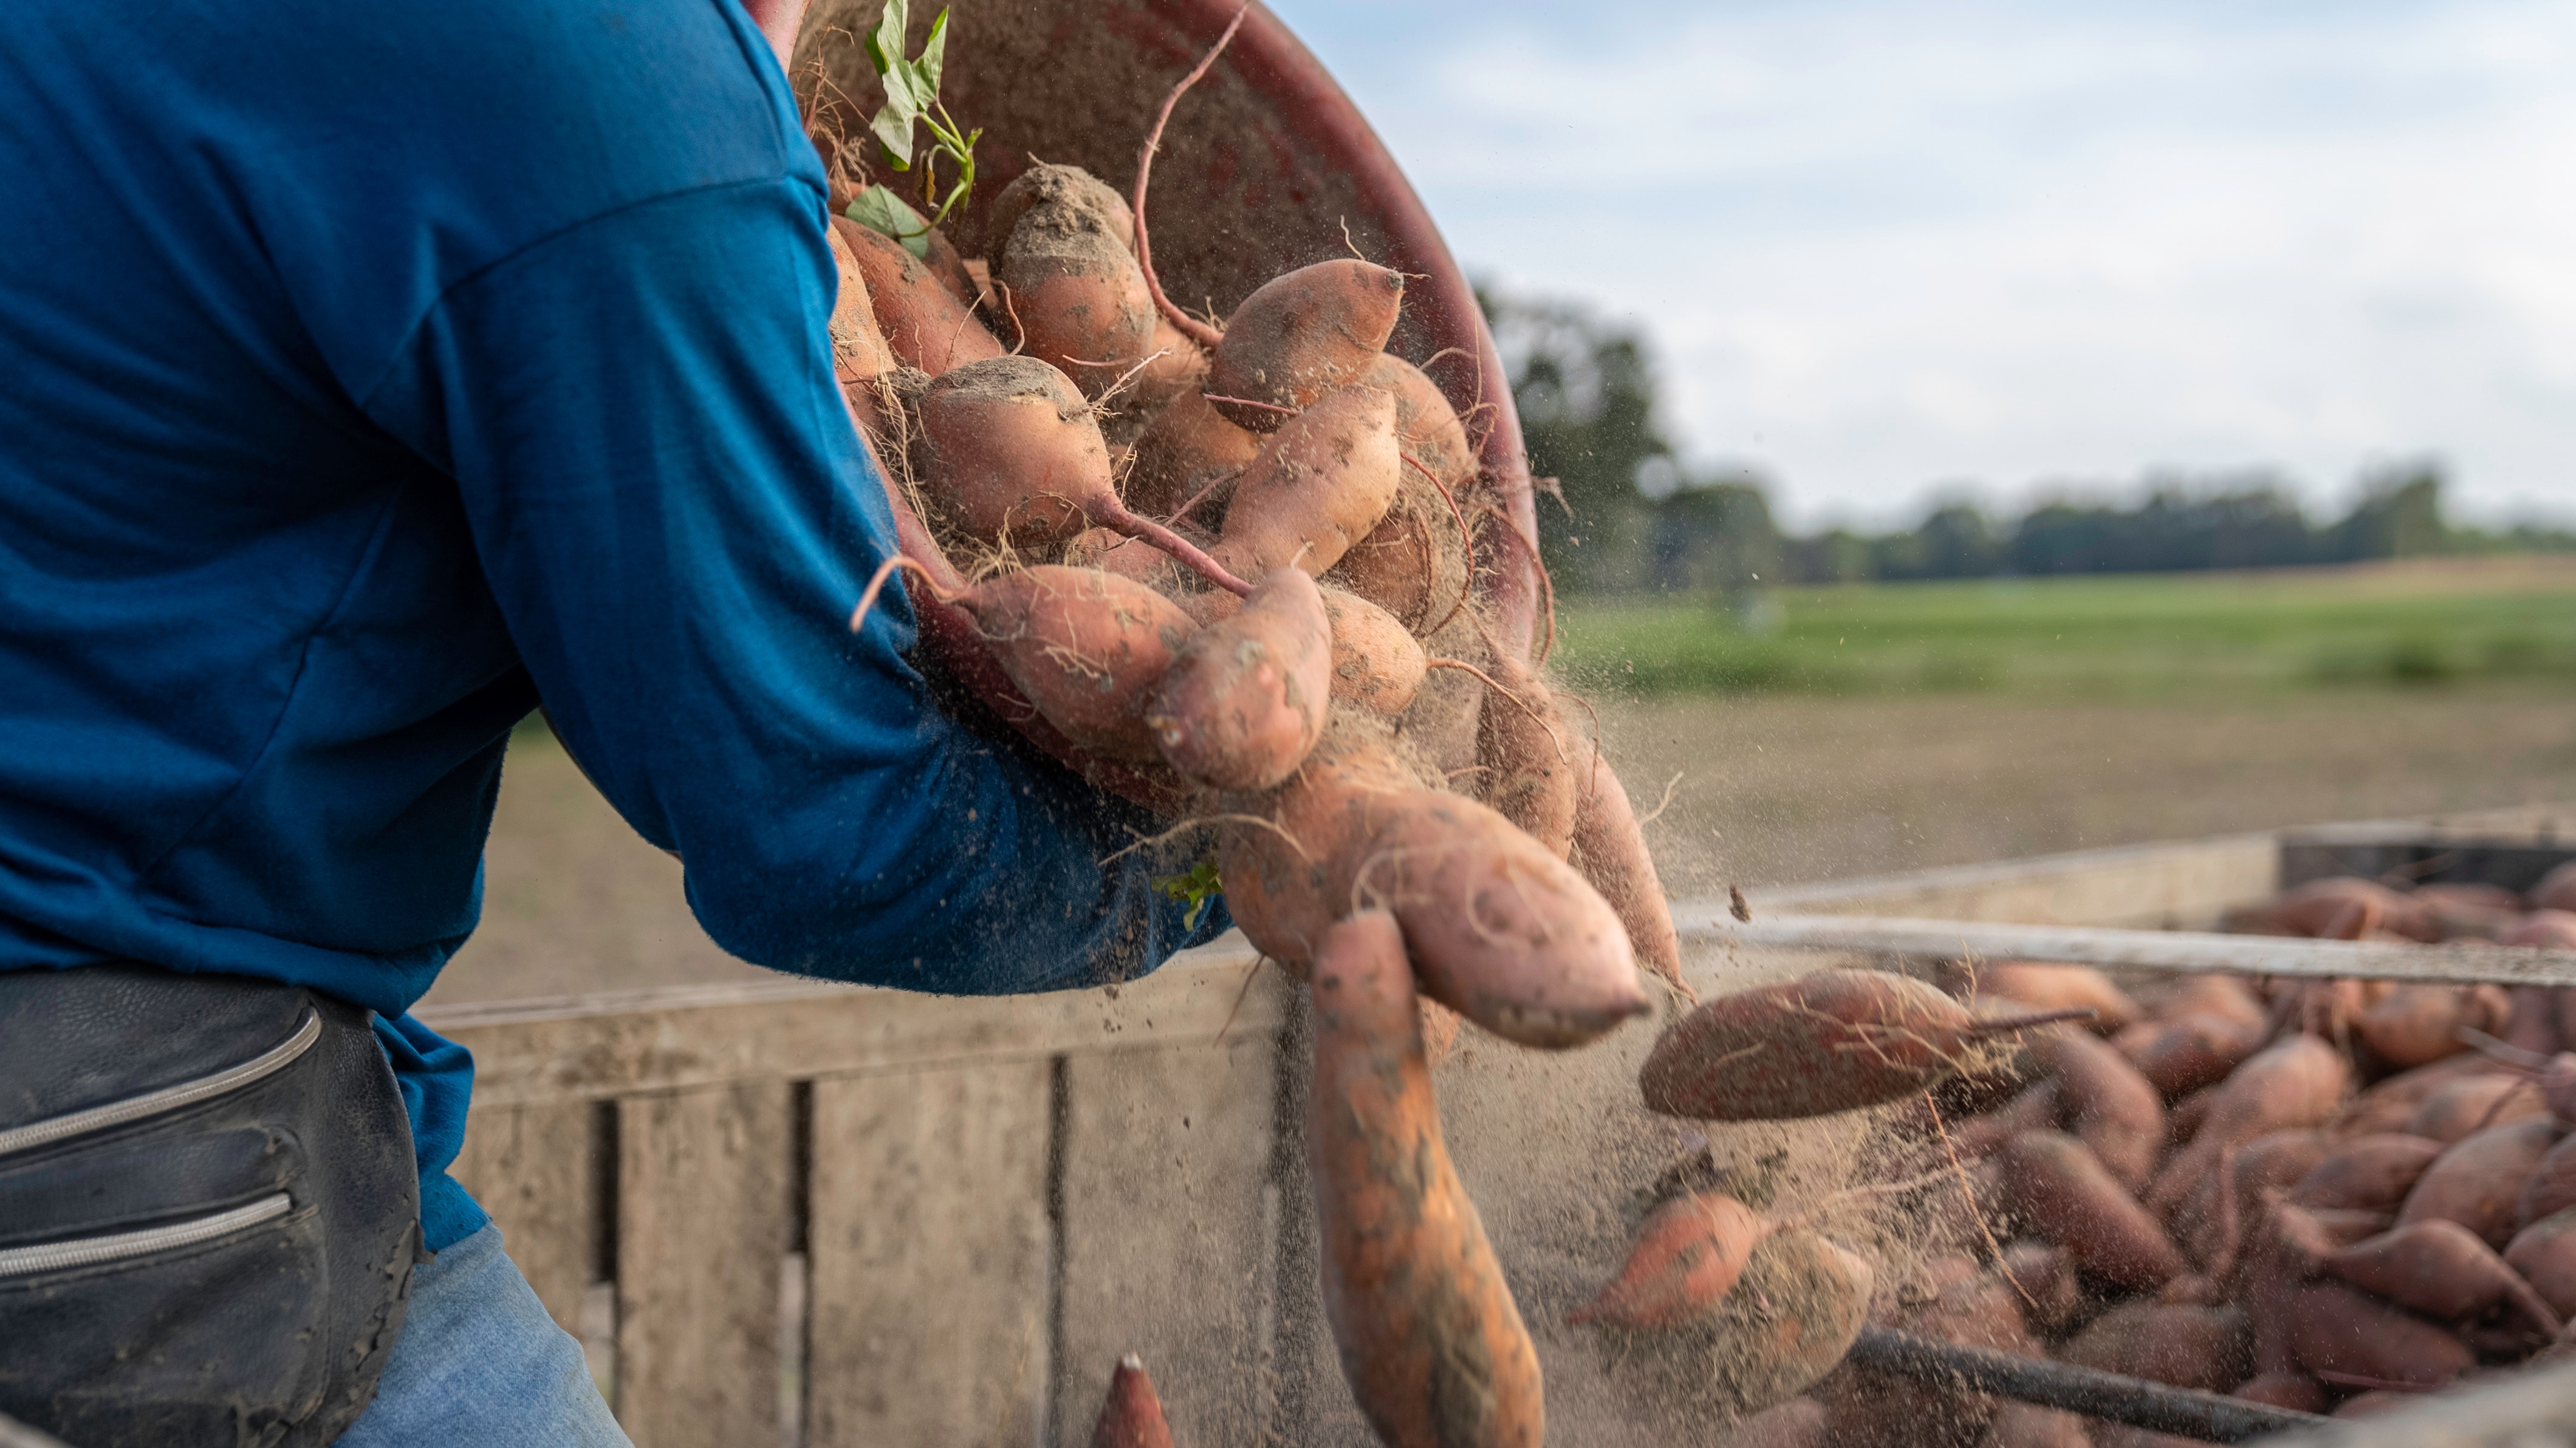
{"x": 1834, "y": 1041}
{"x": 1075, "y": 289}
{"x": 924, "y": 323}
{"x": 1528, "y": 756}
{"x": 1244, "y": 701}
{"x": 1687, "y": 1257}
{"x": 1301, "y": 335}
{"x": 1132, "y": 1415}
{"x": 1316, "y": 487}
{"x": 1431, "y": 1341}
{"x": 2057, "y": 1186}
{"x": 2292, "y": 1083}
{"x": 1284, "y": 855}
{"x": 1611, "y": 847}
{"x": 2444, "y": 1270}
{"x": 1013, "y": 453}
{"x": 1085, "y": 647}
{"x": 1376, "y": 664}
{"x": 2478, "y": 1182}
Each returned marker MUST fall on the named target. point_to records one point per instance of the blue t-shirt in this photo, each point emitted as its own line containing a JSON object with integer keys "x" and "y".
{"x": 370, "y": 372}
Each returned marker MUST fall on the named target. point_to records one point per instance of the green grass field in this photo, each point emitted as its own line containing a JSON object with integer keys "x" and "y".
{"x": 2415, "y": 626}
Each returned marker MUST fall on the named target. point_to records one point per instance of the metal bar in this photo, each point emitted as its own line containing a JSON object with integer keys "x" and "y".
{"x": 2155, "y": 1407}
{"x": 2101, "y": 945}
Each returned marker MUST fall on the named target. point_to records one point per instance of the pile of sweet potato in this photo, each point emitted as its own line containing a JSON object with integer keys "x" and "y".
{"x": 2331, "y": 1196}
{"x": 1230, "y": 560}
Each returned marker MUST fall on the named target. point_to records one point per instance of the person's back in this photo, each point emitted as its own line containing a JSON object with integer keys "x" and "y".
{"x": 368, "y": 373}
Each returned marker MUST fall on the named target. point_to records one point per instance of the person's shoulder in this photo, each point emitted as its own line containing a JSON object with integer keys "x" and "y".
{"x": 589, "y": 103}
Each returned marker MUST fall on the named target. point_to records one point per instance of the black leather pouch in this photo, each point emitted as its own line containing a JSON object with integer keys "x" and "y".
{"x": 209, "y": 1210}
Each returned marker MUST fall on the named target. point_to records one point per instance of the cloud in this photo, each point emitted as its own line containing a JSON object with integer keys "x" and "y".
{"x": 1882, "y": 243}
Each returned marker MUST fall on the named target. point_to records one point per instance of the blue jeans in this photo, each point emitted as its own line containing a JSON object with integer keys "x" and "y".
{"x": 480, "y": 1363}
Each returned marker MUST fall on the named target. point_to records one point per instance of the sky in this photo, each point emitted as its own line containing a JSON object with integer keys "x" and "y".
{"x": 1883, "y": 249}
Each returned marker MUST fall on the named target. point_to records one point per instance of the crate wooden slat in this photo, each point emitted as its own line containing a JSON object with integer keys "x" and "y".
{"x": 623, "y": 1042}
{"x": 927, "y": 1258}
{"x": 1168, "y": 1250}
{"x": 702, "y": 1228}
{"x": 532, "y": 1168}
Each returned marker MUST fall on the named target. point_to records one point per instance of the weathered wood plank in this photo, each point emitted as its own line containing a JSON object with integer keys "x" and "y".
{"x": 702, "y": 1228}
{"x": 927, "y": 1243}
{"x": 2107, "y": 947}
{"x": 2536, "y": 1407}
{"x": 532, "y": 1168}
{"x": 2188, "y": 884}
{"x": 1167, "y": 1253}
{"x": 623, "y": 1042}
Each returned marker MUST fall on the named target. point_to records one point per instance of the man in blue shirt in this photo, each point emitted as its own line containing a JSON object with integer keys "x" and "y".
{"x": 369, "y": 373}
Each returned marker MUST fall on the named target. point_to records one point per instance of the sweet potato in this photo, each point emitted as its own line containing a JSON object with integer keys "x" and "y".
{"x": 1688, "y": 1254}
{"x": 2533, "y": 1025}
{"x": 2370, "y": 1173}
{"x": 1528, "y": 756}
{"x": 1299, "y": 336}
{"x": 2103, "y": 1100}
{"x": 859, "y": 351}
{"x": 2541, "y": 930}
{"x": 2296, "y": 1082}
{"x": 2443, "y": 1270}
{"x": 2210, "y": 994}
{"x": 1501, "y": 931}
{"x": 1800, "y": 1303}
{"x": 924, "y": 323}
{"x": 2556, "y": 890}
{"x": 1075, "y": 290}
{"x": 2284, "y": 1388}
{"x": 2340, "y": 1333}
{"x": 1375, "y": 663}
{"x": 2046, "y": 1277}
{"x": 1244, "y": 701}
{"x": 2047, "y": 987}
{"x": 2184, "y": 1344}
{"x": 2390, "y": 1103}
{"x": 2215, "y": 1220}
{"x": 1833, "y": 1041}
{"x": 2478, "y": 1182}
{"x": 2416, "y": 1024}
{"x": 1430, "y": 1339}
{"x": 2467, "y": 911}
{"x": 1132, "y": 1415}
{"x": 2345, "y": 907}
{"x": 1611, "y": 848}
{"x": 1084, "y": 646}
{"x": 1012, "y": 453}
{"x": 1425, "y": 424}
{"x": 2058, "y": 1187}
{"x": 1320, "y": 483}
{"x": 2034, "y": 1109}
{"x": 2551, "y": 1187}
{"x": 1188, "y": 449}
{"x": 2183, "y": 1119}
{"x": 2183, "y": 1055}
{"x": 2474, "y": 1103}
{"x": 2544, "y": 1252}
{"x": 1504, "y": 933}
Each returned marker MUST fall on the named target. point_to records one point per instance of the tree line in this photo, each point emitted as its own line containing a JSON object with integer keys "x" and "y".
{"x": 1625, "y": 512}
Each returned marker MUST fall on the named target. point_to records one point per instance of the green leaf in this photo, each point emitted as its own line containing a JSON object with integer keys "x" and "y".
{"x": 893, "y": 131}
{"x": 1198, "y": 887}
{"x": 885, "y": 43}
{"x": 880, "y": 210}
{"x": 934, "y": 56}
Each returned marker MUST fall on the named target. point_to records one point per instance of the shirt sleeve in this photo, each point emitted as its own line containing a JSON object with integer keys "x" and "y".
{"x": 677, "y": 517}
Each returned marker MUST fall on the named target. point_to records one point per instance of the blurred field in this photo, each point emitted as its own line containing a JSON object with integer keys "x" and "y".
{"x": 2415, "y": 624}
{"x": 1771, "y": 787}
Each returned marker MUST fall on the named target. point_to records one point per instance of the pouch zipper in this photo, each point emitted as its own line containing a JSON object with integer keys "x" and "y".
{"x": 90, "y": 1251}
{"x": 168, "y": 1098}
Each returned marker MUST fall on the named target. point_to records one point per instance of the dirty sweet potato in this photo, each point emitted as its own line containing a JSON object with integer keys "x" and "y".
{"x": 1431, "y": 1342}
{"x": 2061, "y": 1191}
{"x": 2478, "y": 1181}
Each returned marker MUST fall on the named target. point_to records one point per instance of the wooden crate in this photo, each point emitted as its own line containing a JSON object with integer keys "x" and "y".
{"x": 836, "y": 1215}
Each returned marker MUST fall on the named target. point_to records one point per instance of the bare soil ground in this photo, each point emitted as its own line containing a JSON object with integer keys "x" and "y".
{"x": 1772, "y": 788}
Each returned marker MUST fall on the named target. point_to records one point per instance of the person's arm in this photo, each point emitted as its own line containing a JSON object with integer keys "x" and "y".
{"x": 676, "y": 515}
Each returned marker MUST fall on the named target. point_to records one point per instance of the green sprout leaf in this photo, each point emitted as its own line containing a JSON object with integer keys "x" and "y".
{"x": 912, "y": 95}
{"x": 878, "y": 209}
{"x": 1195, "y": 889}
